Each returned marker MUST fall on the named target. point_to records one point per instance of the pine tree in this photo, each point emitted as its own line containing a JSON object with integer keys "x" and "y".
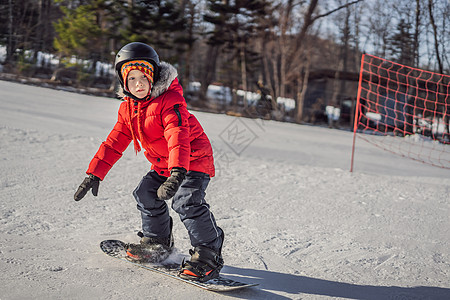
{"x": 79, "y": 35}
{"x": 156, "y": 23}
{"x": 234, "y": 24}
{"x": 402, "y": 44}
{"x": 78, "y": 32}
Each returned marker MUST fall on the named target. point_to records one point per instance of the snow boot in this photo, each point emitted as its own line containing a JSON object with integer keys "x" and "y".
{"x": 205, "y": 264}
{"x": 151, "y": 249}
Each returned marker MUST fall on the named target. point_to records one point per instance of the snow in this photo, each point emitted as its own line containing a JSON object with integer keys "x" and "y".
{"x": 296, "y": 220}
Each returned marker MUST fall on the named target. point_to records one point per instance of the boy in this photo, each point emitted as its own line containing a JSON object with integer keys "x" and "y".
{"x": 155, "y": 114}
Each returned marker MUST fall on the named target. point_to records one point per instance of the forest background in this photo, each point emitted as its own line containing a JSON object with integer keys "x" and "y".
{"x": 277, "y": 50}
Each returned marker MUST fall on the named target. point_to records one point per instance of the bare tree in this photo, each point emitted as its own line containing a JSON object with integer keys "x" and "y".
{"x": 288, "y": 46}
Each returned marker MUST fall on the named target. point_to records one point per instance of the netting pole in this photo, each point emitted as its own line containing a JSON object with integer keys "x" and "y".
{"x": 357, "y": 108}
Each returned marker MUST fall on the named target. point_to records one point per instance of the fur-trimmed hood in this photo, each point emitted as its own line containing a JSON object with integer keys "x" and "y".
{"x": 167, "y": 75}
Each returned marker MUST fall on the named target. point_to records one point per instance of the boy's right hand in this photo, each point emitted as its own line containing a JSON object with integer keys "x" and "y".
{"x": 90, "y": 182}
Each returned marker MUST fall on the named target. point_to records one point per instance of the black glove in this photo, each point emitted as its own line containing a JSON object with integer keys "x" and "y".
{"x": 168, "y": 189}
{"x": 90, "y": 182}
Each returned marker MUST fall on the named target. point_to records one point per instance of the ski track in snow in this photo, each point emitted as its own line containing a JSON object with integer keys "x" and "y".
{"x": 296, "y": 220}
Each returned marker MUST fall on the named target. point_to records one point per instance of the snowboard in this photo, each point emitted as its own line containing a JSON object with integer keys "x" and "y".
{"x": 116, "y": 249}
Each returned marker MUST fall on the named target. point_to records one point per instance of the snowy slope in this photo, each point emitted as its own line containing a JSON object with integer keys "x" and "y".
{"x": 296, "y": 220}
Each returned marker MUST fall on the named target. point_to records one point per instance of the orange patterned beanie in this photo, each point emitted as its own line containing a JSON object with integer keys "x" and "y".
{"x": 141, "y": 65}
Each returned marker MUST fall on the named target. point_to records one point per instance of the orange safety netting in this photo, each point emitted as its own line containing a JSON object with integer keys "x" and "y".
{"x": 404, "y": 110}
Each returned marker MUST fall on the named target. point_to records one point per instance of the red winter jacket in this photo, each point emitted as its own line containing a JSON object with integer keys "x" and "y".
{"x": 173, "y": 136}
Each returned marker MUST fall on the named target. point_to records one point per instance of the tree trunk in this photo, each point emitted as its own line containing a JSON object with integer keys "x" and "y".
{"x": 243, "y": 73}
{"x": 10, "y": 49}
{"x": 416, "y": 34}
{"x": 436, "y": 41}
{"x": 302, "y": 93}
{"x": 209, "y": 70}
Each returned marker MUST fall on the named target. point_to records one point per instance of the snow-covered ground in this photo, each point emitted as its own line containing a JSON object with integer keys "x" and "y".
{"x": 296, "y": 220}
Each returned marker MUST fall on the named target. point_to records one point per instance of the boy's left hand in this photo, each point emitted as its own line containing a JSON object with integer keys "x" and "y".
{"x": 168, "y": 189}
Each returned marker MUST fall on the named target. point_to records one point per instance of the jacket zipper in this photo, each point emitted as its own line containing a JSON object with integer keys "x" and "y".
{"x": 177, "y": 111}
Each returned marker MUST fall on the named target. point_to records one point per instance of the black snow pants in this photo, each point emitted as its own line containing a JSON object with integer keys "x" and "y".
{"x": 189, "y": 202}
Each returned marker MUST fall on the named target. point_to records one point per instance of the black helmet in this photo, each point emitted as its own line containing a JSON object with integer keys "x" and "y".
{"x": 134, "y": 51}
